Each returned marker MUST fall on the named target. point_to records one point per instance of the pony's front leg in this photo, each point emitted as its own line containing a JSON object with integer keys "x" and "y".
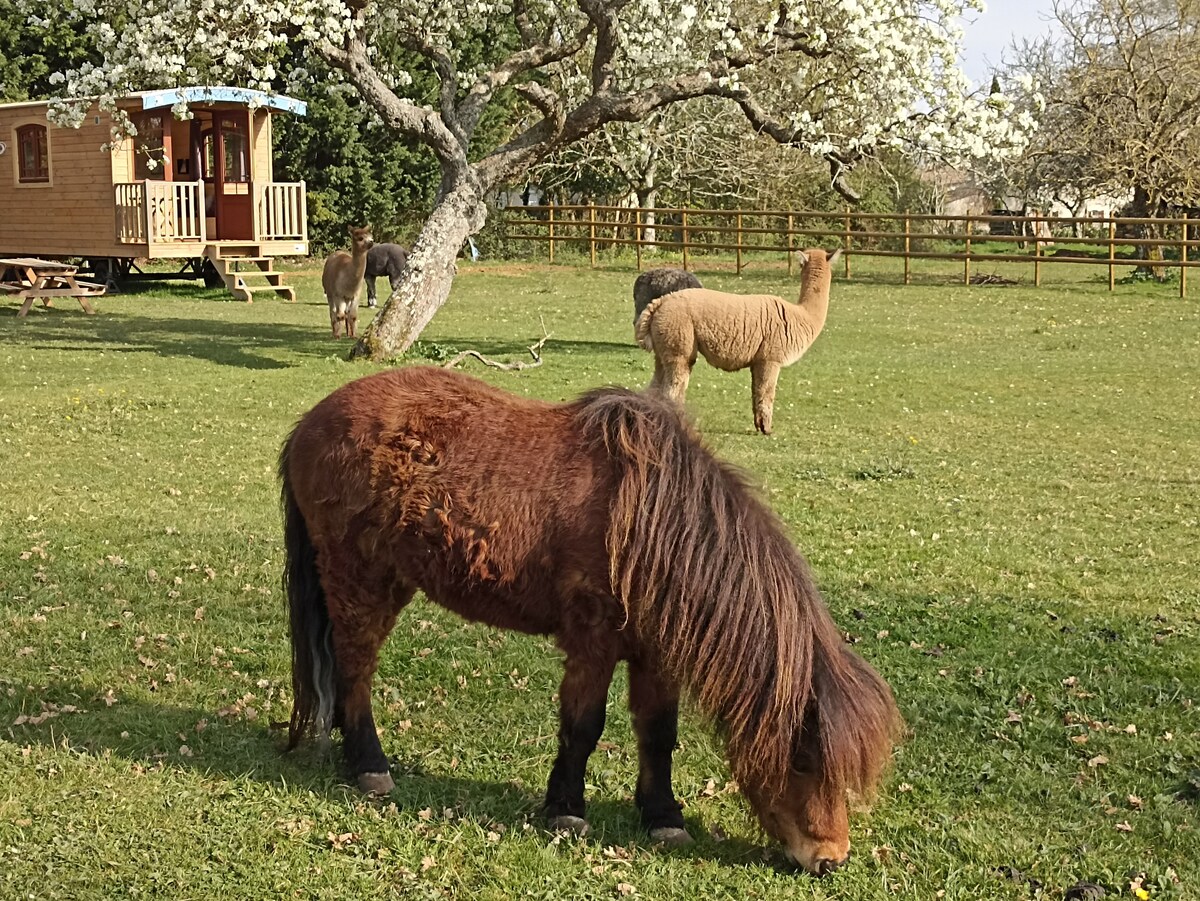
{"x": 654, "y": 703}
{"x": 582, "y": 699}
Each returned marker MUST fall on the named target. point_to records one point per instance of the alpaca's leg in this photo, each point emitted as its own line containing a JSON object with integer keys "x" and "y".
{"x": 582, "y": 699}
{"x": 336, "y": 318}
{"x": 676, "y": 374}
{"x": 352, "y": 318}
{"x": 764, "y": 376}
{"x": 656, "y": 382}
{"x": 654, "y": 703}
{"x": 360, "y": 623}
{"x": 370, "y": 290}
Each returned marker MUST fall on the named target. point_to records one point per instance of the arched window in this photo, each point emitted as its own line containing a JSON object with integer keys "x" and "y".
{"x": 33, "y": 154}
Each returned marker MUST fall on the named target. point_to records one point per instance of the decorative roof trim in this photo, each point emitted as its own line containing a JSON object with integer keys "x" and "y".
{"x": 221, "y": 94}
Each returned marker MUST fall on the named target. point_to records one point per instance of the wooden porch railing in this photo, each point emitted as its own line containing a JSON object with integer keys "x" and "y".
{"x": 131, "y": 212}
{"x": 160, "y": 212}
{"x": 280, "y": 211}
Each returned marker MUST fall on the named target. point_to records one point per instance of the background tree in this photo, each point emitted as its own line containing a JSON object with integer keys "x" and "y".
{"x": 32, "y": 47}
{"x": 839, "y": 80}
{"x": 1121, "y": 92}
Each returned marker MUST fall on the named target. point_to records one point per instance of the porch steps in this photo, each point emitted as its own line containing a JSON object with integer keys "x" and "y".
{"x": 246, "y": 272}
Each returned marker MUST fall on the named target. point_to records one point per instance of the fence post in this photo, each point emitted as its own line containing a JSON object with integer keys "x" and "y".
{"x": 967, "y": 254}
{"x": 1037, "y": 256}
{"x": 551, "y": 232}
{"x": 1112, "y": 254}
{"x": 1183, "y": 257}
{"x": 791, "y": 221}
{"x": 637, "y": 237}
{"x": 737, "y": 222}
{"x": 592, "y": 230}
{"x": 846, "y": 252}
{"x": 683, "y": 233}
{"x": 907, "y": 248}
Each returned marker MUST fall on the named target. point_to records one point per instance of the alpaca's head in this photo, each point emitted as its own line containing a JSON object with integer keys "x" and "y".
{"x": 818, "y": 260}
{"x": 361, "y": 239}
{"x": 816, "y": 274}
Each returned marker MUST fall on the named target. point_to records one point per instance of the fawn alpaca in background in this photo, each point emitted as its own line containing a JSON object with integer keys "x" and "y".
{"x": 761, "y": 332}
{"x": 342, "y": 281}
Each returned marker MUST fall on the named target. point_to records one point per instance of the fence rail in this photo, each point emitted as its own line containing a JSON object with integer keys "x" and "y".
{"x": 908, "y": 236}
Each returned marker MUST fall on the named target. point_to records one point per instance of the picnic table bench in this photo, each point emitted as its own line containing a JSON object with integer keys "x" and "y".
{"x": 29, "y": 279}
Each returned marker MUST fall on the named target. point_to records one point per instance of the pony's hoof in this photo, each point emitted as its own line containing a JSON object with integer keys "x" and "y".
{"x": 569, "y": 825}
{"x": 375, "y": 783}
{"x": 670, "y": 836}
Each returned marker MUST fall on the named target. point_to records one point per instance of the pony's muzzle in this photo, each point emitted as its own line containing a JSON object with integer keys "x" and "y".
{"x": 820, "y": 866}
{"x": 825, "y": 866}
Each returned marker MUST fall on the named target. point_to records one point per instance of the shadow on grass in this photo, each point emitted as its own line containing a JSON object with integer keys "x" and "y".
{"x": 161, "y": 738}
{"x": 247, "y": 345}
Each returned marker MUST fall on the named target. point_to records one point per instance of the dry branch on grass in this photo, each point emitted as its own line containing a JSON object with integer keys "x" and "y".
{"x": 512, "y": 365}
{"x": 993, "y": 279}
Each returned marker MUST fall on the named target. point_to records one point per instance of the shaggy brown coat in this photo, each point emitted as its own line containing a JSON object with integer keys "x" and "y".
{"x": 605, "y": 523}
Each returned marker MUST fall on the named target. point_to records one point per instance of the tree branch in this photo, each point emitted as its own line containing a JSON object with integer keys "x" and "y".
{"x": 402, "y": 115}
{"x": 447, "y": 73}
{"x": 511, "y": 366}
{"x": 529, "y": 59}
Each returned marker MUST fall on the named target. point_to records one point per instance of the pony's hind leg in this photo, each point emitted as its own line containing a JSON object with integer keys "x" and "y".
{"x": 360, "y": 624}
{"x": 654, "y": 703}
{"x": 582, "y": 699}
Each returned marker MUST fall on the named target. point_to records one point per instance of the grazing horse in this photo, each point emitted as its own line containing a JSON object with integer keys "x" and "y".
{"x": 605, "y": 523}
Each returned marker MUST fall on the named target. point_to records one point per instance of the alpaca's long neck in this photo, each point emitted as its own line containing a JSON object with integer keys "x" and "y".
{"x": 358, "y": 261}
{"x": 813, "y": 304}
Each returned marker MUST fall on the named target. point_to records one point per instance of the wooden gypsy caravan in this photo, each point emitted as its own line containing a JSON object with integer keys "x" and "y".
{"x": 198, "y": 190}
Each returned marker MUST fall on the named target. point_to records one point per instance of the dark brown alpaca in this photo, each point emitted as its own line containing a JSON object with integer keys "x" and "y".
{"x": 603, "y": 522}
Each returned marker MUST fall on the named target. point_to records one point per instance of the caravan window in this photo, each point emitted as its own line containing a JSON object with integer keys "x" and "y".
{"x": 150, "y": 160}
{"x": 33, "y": 154}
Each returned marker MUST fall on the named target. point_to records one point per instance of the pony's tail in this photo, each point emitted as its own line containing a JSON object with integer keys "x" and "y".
{"x": 313, "y": 663}
{"x": 858, "y": 717}
{"x": 641, "y": 328}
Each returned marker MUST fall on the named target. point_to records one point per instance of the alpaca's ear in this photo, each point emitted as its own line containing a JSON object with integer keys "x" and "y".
{"x": 832, "y": 255}
{"x": 803, "y": 258}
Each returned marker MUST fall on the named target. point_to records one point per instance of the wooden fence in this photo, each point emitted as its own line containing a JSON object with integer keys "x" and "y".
{"x": 909, "y": 236}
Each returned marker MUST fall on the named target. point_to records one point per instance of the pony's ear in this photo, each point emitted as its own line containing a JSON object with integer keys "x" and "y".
{"x": 832, "y": 255}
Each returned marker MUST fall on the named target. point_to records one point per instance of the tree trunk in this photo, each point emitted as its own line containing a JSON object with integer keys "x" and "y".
{"x": 459, "y": 214}
{"x": 1143, "y": 208}
{"x": 646, "y": 198}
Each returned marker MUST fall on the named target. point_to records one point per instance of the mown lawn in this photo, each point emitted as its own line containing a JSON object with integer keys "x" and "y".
{"x": 999, "y": 489}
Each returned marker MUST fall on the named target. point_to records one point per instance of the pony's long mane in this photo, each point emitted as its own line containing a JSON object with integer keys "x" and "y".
{"x": 709, "y": 578}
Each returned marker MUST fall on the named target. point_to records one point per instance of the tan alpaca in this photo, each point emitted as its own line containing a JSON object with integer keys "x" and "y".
{"x": 733, "y": 331}
{"x": 342, "y": 280}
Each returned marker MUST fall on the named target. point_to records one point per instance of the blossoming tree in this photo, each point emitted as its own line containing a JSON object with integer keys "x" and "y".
{"x": 840, "y": 78}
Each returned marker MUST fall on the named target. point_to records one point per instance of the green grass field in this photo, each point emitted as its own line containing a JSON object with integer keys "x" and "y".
{"x": 998, "y": 488}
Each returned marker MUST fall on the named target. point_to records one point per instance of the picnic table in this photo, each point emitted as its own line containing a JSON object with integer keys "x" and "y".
{"x": 29, "y": 279}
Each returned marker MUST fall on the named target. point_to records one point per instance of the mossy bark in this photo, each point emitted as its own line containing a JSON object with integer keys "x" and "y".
{"x": 428, "y": 276}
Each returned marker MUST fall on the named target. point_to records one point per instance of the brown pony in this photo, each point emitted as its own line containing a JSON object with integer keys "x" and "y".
{"x": 605, "y": 523}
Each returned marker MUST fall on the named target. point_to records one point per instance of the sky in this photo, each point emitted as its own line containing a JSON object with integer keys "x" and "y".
{"x": 991, "y": 34}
